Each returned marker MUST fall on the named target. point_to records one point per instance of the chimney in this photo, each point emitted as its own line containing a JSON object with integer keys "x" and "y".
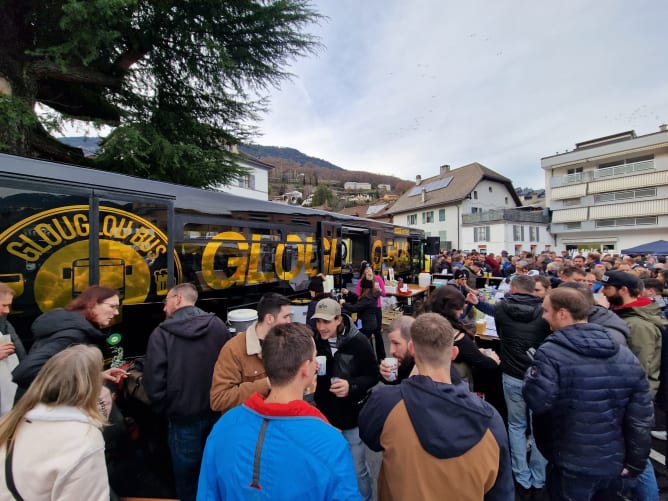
{"x": 424, "y": 195}
{"x": 445, "y": 168}
{"x": 418, "y": 180}
{"x": 663, "y": 127}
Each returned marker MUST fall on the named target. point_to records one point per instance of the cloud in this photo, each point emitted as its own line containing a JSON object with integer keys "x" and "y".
{"x": 404, "y": 87}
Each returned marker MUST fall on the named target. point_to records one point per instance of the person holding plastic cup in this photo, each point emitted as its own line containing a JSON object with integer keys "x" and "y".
{"x": 351, "y": 371}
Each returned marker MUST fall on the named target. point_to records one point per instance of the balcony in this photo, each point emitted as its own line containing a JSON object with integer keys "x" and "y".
{"x": 508, "y": 215}
{"x": 605, "y": 173}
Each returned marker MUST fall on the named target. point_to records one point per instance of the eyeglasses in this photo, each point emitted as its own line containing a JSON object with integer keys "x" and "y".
{"x": 113, "y": 306}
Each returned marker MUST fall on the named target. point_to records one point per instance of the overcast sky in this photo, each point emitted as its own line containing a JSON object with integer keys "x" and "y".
{"x": 402, "y": 87}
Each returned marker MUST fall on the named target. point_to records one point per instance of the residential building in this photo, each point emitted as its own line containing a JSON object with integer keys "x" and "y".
{"x": 355, "y": 186}
{"x": 290, "y": 198}
{"x": 470, "y": 208}
{"x": 255, "y": 184}
{"x": 609, "y": 193}
{"x": 376, "y": 211}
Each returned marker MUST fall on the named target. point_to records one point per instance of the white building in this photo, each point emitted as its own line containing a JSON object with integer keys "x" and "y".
{"x": 352, "y": 185}
{"x": 609, "y": 193}
{"x": 253, "y": 185}
{"x": 470, "y": 208}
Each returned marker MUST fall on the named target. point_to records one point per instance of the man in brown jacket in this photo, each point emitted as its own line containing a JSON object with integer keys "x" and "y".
{"x": 456, "y": 450}
{"x": 239, "y": 371}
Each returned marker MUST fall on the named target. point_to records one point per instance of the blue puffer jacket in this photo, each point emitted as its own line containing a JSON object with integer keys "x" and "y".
{"x": 597, "y": 399}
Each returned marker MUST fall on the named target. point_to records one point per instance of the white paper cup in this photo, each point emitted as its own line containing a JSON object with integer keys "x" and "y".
{"x": 393, "y": 364}
{"x": 322, "y": 365}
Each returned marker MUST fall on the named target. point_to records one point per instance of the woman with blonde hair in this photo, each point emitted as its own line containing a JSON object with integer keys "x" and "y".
{"x": 51, "y": 445}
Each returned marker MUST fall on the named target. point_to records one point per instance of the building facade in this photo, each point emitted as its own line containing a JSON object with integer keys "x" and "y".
{"x": 609, "y": 193}
{"x": 472, "y": 207}
{"x": 513, "y": 230}
{"x": 255, "y": 184}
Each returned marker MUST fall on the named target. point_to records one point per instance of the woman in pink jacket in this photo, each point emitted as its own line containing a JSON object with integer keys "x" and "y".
{"x": 379, "y": 284}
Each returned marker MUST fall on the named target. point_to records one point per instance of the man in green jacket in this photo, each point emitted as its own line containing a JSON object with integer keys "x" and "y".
{"x": 643, "y": 317}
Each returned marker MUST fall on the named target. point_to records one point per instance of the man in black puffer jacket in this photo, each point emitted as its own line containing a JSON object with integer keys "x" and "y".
{"x": 595, "y": 397}
{"x": 521, "y": 327}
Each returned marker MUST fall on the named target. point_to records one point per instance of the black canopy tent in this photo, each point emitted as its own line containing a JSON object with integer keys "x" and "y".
{"x": 657, "y": 248}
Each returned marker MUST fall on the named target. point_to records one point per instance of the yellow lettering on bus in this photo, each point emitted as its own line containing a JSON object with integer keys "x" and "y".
{"x": 112, "y": 227}
{"x": 255, "y": 274}
{"x": 28, "y": 254}
{"x": 311, "y": 257}
{"x": 228, "y": 242}
{"x": 295, "y": 266}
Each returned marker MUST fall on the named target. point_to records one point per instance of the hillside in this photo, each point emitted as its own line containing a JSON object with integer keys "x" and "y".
{"x": 290, "y": 154}
{"x": 289, "y": 164}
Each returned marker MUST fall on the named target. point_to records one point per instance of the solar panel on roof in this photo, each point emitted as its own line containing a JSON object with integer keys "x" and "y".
{"x": 434, "y": 185}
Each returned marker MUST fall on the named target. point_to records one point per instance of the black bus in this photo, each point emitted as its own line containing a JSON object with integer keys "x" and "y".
{"x": 64, "y": 227}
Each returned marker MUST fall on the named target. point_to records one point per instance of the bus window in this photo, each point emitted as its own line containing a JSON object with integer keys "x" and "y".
{"x": 39, "y": 230}
{"x": 132, "y": 250}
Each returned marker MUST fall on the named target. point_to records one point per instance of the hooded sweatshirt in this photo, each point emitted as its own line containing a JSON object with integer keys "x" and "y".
{"x": 438, "y": 440}
{"x": 180, "y": 357}
{"x": 54, "y": 331}
{"x": 58, "y": 456}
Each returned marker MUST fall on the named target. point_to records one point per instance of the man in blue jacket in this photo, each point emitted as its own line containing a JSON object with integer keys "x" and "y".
{"x": 592, "y": 400}
{"x": 279, "y": 447}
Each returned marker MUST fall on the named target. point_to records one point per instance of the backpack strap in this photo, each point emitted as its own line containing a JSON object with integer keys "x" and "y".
{"x": 9, "y": 476}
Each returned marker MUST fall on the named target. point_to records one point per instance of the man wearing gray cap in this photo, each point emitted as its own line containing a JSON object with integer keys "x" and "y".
{"x": 351, "y": 370}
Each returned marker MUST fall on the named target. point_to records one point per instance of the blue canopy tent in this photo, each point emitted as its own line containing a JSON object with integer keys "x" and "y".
{"x": 657, "y": 248}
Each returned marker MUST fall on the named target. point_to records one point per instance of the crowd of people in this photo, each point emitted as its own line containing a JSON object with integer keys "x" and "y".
{"x": 578, "y": 357}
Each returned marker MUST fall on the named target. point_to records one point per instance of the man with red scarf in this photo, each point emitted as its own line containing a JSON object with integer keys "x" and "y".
{"x": 278, "y": 446}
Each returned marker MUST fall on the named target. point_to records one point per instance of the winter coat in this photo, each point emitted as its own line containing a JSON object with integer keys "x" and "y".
{"x": 597, "y": 400}
{"x": 302, "y": 456}
{"x": 381, "y": 284}
{"x": 7, "y": 365}
{"x": 238, "y": 372}
{"x": 366, "y": 311}
{"x": 58, "y": 456}
{"x": 54, "y": 331}
{"x": 616, "y": 326}
{"x": 646, "y": 325}
{"x": 180, "y": 357}
{"x": 520, "y": 325}
{"x": 439, "y": 441}
{"x": 7, "y": 328}
{"x": 354, "y": 361}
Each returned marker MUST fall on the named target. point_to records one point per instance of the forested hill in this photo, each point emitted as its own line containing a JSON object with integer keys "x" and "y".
{"x": 289, "y": 164}
{"x": 291, "y": 154}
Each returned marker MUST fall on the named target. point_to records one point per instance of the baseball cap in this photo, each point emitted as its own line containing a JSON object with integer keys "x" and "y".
{"x": 533, "y": 273}
{"x": 327, "y": 309}
{"x": 461, "y": 274}
{"x": 479, "y": 264}
{"x": 620, "y": 279}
